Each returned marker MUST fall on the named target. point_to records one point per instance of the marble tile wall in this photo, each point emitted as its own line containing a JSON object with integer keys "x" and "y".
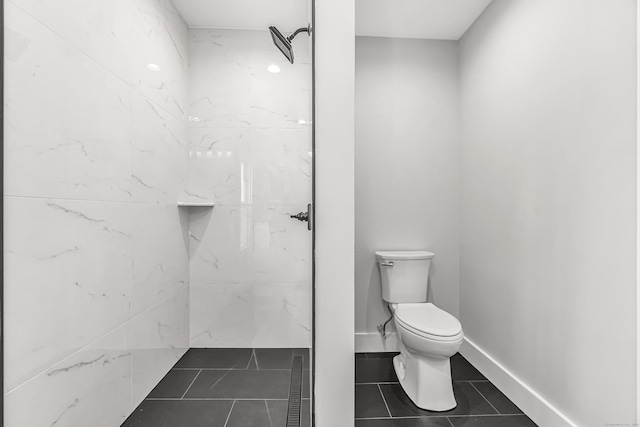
{"x": 250, "y": 152}
{"x": 96, "y": 251}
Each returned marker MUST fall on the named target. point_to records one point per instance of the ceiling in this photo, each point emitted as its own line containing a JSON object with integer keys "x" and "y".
{"x": 424, "y": 19}
{"x": 417, "y": 19}
{"x": 287, "y": 15}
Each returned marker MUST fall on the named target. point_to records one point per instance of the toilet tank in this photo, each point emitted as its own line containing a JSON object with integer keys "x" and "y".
{"x": 404, "y": 275}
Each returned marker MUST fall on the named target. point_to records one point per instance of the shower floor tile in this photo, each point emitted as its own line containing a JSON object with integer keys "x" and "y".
{"x": 381, "y": 401}
{"x": 226, "y": 388}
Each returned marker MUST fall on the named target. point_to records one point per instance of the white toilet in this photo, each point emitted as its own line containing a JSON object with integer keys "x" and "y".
{"x": 429, "y": 336}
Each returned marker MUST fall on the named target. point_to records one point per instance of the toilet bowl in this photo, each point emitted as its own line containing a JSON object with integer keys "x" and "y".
{"x": 429, "y": 336}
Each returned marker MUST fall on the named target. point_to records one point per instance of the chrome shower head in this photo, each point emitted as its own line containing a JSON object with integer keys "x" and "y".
{"x": 284, "y": 43}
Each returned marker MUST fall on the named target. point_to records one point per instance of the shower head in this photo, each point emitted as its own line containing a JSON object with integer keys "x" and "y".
{"x": 284, "y": 43}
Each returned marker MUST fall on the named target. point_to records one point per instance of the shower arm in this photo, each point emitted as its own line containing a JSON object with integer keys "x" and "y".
{"x": 298, "y": 31}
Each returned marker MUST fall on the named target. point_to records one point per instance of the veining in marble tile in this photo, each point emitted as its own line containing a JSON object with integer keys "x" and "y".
{"x": 281, "y": 245}
{"x": 160, "y": 336}
{"x": 159, "y": 159}
{"x": 282, "y": 167}
{"x": 67, "y": 119}
{"x": 231, "y": 86}
{"x": 160, "y": 263}
{"x": 90, "y": 387}
{"x": 160, "y": 55}
{"x": 67, "y": 279}
{"x": 283, "y": 314}
{"x": 221, "y": 246}
{"x": 220, "y": 165}
{"x": 102, "y": 30}
{"x": 222, "y": 315}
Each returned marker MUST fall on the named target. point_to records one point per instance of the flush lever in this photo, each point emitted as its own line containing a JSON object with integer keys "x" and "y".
{"x": 387, "y": 263}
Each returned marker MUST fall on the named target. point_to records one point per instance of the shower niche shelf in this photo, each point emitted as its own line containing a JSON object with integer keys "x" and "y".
{"x": 204, "y": 204}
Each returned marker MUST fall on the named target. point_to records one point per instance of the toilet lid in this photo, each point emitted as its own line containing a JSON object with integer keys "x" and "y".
{"x": 428, "y": 319}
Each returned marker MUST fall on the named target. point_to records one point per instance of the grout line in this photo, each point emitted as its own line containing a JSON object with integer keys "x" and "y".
{"x": 219, "y": 379}
{"x": 253, "y": 354}
{"x": 412, "y": 417}
{"x": 229, "y": 415}
{"x": 450, "y": 422}
{"x": 384, "y": 400}
{"x": 216, "y": 398}
{"x": 382, "y": 382}
{"x": 55, "y": 363}
{"x": 420, "y": 417}
{"x": 268, "y": 414}
{"x": 476, "y": 389}
{"x": 227, "y": 369}
{"x": 194, "y": 380}
{"x": 257, "y": 367}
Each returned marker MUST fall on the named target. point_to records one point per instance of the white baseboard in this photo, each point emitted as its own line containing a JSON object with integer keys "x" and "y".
{"x": 372, "y": 342}
{"x": 535, "y": 406}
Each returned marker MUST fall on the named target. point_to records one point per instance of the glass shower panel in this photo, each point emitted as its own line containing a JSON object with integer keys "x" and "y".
{"x": 250, "y": 152}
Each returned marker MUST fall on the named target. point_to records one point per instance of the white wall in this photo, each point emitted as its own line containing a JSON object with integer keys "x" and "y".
{"x": 334, "y": 53}
{"x": 407, "y": 168}
{"x": 96, "y": 284}
{"x": 548, "y": 251}
{"x": 250, "y": 152}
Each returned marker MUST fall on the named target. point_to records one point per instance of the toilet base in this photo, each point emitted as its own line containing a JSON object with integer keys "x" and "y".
{"x": 426, "y": 380}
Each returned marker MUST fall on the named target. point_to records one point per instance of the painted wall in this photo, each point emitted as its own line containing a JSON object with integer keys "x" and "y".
{"x": 548, "y": 251}
{"x": 334, "y": 92}
{"x": 407, "y": 169}
{"x": 96, "y": 281}
{"x": 250, "y": 152}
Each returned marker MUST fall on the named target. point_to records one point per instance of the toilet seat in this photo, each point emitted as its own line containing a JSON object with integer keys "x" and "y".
{"x": 428, "y": 321}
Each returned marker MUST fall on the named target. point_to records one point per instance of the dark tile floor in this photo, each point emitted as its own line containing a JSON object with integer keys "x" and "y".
{"x": 381, "y": 402}
{"x": 225, "y": 388}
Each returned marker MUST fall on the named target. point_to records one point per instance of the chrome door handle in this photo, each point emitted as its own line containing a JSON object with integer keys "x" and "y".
{"x": 301, "y": 216}
{"x": 305, "y": 216}
{"x": 387, "y": 264}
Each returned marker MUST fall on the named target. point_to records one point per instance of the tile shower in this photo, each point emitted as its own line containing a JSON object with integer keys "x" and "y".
{"x": 114, "y": 113}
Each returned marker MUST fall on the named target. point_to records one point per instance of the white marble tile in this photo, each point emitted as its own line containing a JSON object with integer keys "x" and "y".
{"x": 282, "y": 315}
{"x": 160, "y": 338}
{"x": 281, "y": 160}
{"x": 67, "y": 119}
{"x": 100, "y": 29}
{"x": 221, "y": 245}
{"x": 159, "y": 154}
{"x": 230, "y": 85}
{"x": 160, "y": 250}
{"x": 236, "y": 166}
{"x": 67, "y": 279}
{"x": 280, "y": 100}
{"x": 249, "y": 245}
{"x": 220, "y": 165}
{"x": 90, "y": 387}
{"x": 251, "y": 315}
{"x": 220, "y": 77}
{"x": 222, "y": 315}
{"x": 281, "y": 245}
{"x": 160, "y": 63}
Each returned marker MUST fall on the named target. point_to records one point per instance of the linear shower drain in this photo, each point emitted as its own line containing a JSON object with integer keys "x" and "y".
{"x": 295, "y": 393}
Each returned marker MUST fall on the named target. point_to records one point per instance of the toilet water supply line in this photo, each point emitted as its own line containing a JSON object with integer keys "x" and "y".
{"x": 382, "y": 328}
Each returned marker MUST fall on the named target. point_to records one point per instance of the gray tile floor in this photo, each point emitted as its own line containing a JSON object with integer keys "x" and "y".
{"x": 381, "y": 402}
{"x": 225, "y": 388}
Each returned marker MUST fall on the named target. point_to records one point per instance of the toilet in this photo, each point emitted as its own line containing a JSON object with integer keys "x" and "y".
{"x": 429, "y": 336}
